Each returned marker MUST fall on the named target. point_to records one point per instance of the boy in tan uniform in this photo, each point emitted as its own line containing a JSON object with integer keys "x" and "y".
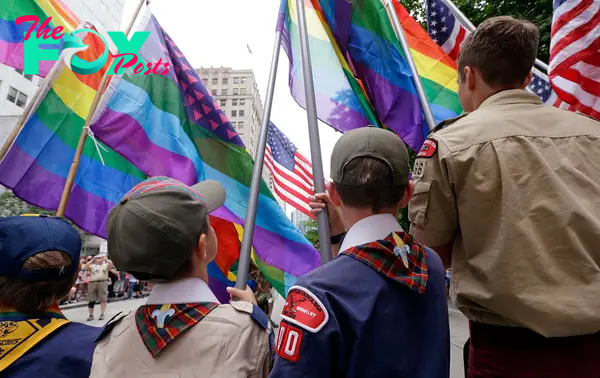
{"x": 160, "y": 232}
{"x": 509, "y": 196}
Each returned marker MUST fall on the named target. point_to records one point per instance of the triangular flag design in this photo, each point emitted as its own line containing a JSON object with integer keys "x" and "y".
{"x": 191, "y": 79}
{"x": 213, "y": 124}
{"x": 199, "y": 95}
{"x": 206, "y": 109}
{"x": 231, "y": 134}
{"x": 223, "y": 118}
{"x": 197, "y": 114}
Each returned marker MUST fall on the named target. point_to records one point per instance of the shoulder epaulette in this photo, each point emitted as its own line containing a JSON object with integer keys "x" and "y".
{"x": 447, "y": 122}
{"x": 111, "y": 324}
{"x": 253, "y": 310}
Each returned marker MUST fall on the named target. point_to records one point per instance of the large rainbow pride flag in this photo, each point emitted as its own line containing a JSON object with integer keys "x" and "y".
{"x": 170, "y": 125}
{"x": 341, "y": 100}
{"x": 12, "y": 36}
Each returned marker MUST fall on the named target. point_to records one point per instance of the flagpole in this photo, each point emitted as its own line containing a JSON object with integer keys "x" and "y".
{"x": 411, "y": 63}
{"x": 313, "y": 132}
{"x": 466, "y": 22}
{"x": 47, "y": 83}
{"x": 86, "y": 128}
{"x": 259, "y": 159}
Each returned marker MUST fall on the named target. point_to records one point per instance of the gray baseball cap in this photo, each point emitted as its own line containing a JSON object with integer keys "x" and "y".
{"x": 372, "y": 142}
{"x": 155, "y": 226}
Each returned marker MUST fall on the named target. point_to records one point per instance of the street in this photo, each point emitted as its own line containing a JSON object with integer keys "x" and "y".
{"x": 459, "y": 329}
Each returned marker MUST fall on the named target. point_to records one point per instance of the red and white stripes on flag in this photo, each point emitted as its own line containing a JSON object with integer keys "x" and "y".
{"x": 292, "y": 171}
{"x": 575, "y": 54}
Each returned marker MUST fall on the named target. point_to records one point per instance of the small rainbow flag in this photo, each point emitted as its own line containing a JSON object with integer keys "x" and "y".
{"x": 12, "y": 36}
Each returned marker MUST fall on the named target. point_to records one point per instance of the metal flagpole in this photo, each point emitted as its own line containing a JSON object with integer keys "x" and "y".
{"x": 313, "y": 132}
{"x": 411, "y": 63}
{"x": 469, "y": 25}
{"x": 250, "y": 222}
{"x": 33, "y": 103}
{"x": 84, "y": 132}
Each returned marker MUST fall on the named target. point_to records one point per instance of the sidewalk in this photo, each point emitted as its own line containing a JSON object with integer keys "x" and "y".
{"x": 84, "y": 303}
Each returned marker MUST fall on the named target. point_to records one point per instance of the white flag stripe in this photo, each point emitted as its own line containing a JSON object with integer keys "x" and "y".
{"x": 283, "y": 192}
{"x": 575, "y": 47}
{"x": 584, "y": 97}
{"x": 285, "y": 182}
{"x": 449, "y": 44}
{"x": 308, "y": 184}
{"x": 583, "y": 18}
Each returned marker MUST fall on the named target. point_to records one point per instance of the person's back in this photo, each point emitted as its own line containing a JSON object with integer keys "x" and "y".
{"x": 160, "y": 232}
{"x": 67, "y": 353}
{"x": 379, "y": 309}
{"x": 39, "y": 259}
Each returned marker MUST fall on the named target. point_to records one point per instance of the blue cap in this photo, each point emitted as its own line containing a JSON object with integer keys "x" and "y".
{"x": 26, "y": 236}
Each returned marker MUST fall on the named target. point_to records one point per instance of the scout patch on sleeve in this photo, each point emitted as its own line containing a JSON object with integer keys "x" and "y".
{"x": 428, "y": 150}
{"x": 419, "y": 169}
{"x": 304, "y": 309}
{"x": 289, "y": 341}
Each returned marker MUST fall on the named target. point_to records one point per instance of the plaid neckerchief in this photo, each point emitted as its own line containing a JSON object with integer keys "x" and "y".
{"x": 159, "y": 325}
{"x": 388, "y": 257}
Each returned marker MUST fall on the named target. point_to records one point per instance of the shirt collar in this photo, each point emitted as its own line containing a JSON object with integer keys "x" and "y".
{"x": 187, "y": 290}
{"x": 366, "y": 230}
{"x": 511, "y": 96}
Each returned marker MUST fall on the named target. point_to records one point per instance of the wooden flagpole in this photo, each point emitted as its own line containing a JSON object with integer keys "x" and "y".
{"x": 84, "y": 132}
{"x": 33, "y": 103}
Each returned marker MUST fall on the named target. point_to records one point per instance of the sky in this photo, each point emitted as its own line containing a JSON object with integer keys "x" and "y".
{"x": 215, "y": 33}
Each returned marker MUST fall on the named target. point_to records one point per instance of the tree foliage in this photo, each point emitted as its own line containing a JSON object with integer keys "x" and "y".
{"x": 537, "y": 11}
{"x": 11, "y": 205}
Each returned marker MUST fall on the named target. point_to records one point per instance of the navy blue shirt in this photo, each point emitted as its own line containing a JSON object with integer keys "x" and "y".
{"x": 376, "y": 326}
{"x": 67, "y": 352}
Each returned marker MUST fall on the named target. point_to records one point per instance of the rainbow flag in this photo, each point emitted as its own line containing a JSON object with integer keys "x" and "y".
{"x": 37, "y": 165}
{"x": 341, "y": 100}
{"x": 170, "y": 125}
{"x": 12, "y": 36}
{"x": 438, "y": 72}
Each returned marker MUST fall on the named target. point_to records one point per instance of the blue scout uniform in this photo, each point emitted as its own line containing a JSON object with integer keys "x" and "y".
{"x": 45, "y": 344}
{"x": 377, "y": 310}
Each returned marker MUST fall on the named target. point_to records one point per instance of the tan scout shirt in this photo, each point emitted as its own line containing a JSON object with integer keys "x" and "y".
{"x": 227, "y": 343}
{"x": 515, "y": 188}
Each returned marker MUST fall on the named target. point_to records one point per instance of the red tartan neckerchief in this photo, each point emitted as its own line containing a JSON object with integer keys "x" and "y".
{"x": 159, "y": 325}
{"x": 385, "y": 256}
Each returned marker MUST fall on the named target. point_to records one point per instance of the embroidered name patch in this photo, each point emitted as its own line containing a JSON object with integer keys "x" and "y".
{"x": 428, "y": 150}
{"x": 289, "y": 341}
{"x": 304, "y": 309}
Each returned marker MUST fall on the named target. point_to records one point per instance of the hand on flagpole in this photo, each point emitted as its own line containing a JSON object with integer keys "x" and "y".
{"x": 320, "y": 201}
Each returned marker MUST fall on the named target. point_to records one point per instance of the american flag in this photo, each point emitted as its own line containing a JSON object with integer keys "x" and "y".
{"x": 448, "y": 32}
{"x": 575, "y": 54}
{"x": 292, "y": 172}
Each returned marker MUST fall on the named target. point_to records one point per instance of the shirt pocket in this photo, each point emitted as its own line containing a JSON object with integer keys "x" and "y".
{"x": 417, "y": 209}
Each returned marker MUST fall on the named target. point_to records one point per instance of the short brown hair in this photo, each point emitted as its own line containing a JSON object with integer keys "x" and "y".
{"x": 502, "y": 49}
{"x": 35, "y": 297}
{"x": 373, "y": 187}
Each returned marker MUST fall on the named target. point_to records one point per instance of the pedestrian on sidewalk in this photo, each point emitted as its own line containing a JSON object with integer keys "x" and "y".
{"x": 508, "y": 195}
{"x": 98, "y": 269}
{"x": 39, "y": 259}
{"x": 379, "y": 309}
{"x": 160, "y": 232}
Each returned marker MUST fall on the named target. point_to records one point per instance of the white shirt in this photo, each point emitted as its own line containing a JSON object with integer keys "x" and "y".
{"x": 366, "y": 230}
{"x": 187, "y": 290}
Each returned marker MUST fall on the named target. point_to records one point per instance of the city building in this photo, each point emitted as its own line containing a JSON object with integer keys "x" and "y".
{"x": 299, "y": 219}
{"x": 237, "y": 94}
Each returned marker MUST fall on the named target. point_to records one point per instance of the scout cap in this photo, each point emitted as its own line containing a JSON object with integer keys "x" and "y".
{"x": 155, "y": 226}
{"x": 26, "y": 236}
{"x": 371, "y": 142}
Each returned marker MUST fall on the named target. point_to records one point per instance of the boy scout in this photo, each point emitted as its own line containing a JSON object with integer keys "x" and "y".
{"x": 39, "y": 259}
{"x": 379, "y": 308}
{"x": 160, "y": 232}
{"x": 508, "y": 194}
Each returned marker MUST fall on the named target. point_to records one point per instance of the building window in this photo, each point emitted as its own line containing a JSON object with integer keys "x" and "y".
{"x": 241, "y": 135}
{"x": 225, "y": 81}
{"x": 223, "y": 103}
{"x": 243, "y": 80}
{"x": 215, "y": 81}
{"x": 242, "y": 101}
{"x": 241, "y": 113}
{"x": 236, "y": 80}
{"x": 242, "y": 91}
{"x": 16, "y": 97}
{"x": 214, "y": 92}
{"x": 224, "y": 92}
{"x": 205, "y": 80}
{"x": 235, "y": 91}
{"x": 241, "y": 124}
{"x": 234, "y": 113}
{"x": 20, "y": 72}
{"x": 233, "y": 124}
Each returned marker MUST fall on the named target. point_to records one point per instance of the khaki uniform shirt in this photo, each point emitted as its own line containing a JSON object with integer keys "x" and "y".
{"x": 515, "y": 188}
{"x": 227, "y": 343}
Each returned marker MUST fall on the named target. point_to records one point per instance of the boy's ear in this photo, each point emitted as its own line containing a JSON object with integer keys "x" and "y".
{"x": 200, "y": 249}
{"x": 409, "y": 189}
{"x": 333, "y": 194}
